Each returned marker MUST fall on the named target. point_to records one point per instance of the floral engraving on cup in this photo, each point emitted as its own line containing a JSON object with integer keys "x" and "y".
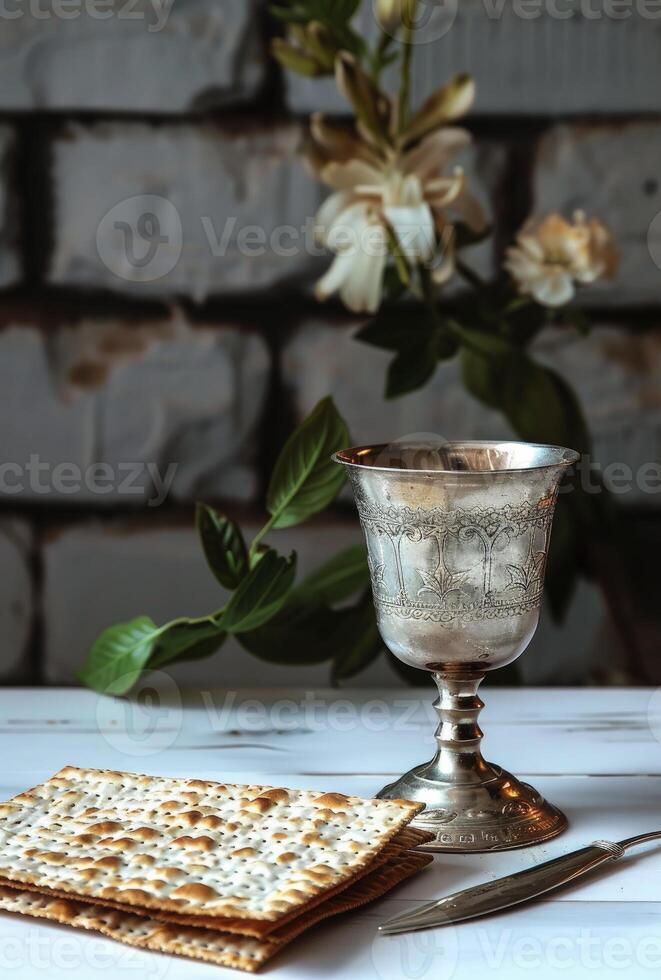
{"x": 460, "y": 565}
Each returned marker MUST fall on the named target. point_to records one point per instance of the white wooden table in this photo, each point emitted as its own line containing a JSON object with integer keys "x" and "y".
{"x": 597, "y": 754}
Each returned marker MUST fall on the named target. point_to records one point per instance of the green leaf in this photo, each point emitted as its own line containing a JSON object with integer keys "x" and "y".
{"x": 393, "y": 287}
{"x": 261, "y": 593}
{"x": 516, "y": 305}
{"x": 541, "y": 407}
{"x": 358, "y": 641}
{"x": 305, "y": 479}
{"x": 295, "y": 59}
{"x": 223, "y": 545}
{"x": 183, "y": 641}
{"x": 482, "y": 341}
{"x": 410, "y": 675}
{"x": 412, "y": 367}
{"x": 482, "y": 377}
{"x": 119, "y": 655}
{"x": 446, "y": 345}
{"x": 577, "y": 319}
{"x": 296, "y": 636}
{"x": 346, "y": 9}
{"x": 337, "y": 579}
{"x": 290, "y": 15}
{"x": 562, "y": 562}
{"x": 392, "y": 332}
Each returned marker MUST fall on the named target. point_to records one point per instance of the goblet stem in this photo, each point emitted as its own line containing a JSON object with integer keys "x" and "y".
{"x": 470, "y": 804}
{"x": 459, "y": 757}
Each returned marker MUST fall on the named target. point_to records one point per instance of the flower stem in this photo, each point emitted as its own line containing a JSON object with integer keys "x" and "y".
{"x": 429, "y": 292}
{"x": 469, "y": 274}
{"x": 401, "y": 264}
{"x": 405, "y": 67}
{"x": 378, "y": 58}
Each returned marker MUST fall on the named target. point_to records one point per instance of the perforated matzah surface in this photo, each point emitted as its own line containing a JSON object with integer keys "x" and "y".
{"x": 216, "y": 947}
{"x": 189, "y": 846}
{"x": 405, "y": 839}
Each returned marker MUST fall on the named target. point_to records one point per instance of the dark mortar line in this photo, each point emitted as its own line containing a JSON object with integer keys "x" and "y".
{"x": 252, "y": 111}
{"x": 268, "y": 105}
{"x": 52, "y": 518}
{"x": 506, "y": 126}
{"x": 62, "y": 304}
{"x": 35, "y": 648}
{"x": 279, "y": 416}
{"x": 49, "y": 517}
{"x": 33, "y": 199}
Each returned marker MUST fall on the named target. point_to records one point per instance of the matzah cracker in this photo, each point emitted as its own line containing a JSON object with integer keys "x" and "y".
{"x": 212, "y": 946}
{"x": 193, "y": 847}
{"x": 408, "y": 838}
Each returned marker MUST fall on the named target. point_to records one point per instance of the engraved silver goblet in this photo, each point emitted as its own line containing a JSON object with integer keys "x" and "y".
{"x": 457, "y": 537}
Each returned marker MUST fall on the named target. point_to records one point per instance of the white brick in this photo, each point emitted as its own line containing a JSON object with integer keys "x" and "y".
{"x": 537, "y": 65}
{"x": 96, "y": 576}
{"x": 160, "y": 393}
{"x": 616, "y": 374}
{"x": 9, "y": 256}
{"x": 212, "y": 190}
{"x": 142, "y": 55}
{"x": 324, "y": 359}
{"x": 16, "y": 600}
{"x": 611, "y": 172}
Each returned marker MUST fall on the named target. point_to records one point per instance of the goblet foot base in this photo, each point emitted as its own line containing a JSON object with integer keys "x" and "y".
{"x": 496, "y": 814}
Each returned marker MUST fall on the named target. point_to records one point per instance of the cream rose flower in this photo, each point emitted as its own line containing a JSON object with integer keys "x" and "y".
{"x": 552, "y": 255}
{"x": 409, "y": 198}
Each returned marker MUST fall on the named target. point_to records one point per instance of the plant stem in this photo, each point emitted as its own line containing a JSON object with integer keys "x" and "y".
{"x": 429, "y": 295}
{"x": 401, "y": 264}
{"x": 378, "y": 56}
{"x": 405, "y": 67}
{"x": 256, "y": 541}
{"x": 468, "y": 274}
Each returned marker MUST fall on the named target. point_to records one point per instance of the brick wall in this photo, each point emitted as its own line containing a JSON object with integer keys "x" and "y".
{"x": 204, "y": 356}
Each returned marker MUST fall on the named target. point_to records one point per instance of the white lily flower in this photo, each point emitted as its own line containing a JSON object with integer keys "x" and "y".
{"x": 408, "y": 196}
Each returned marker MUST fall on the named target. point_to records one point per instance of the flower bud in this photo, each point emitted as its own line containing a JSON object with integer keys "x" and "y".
{"x": 295, "y": 59}
{"x": 449, "y": 102}
{"x": 389, "y": 14}
{"x": 319, "y": 45}
{"x": 371, "y": 106}
{"x": 393, "y": 14}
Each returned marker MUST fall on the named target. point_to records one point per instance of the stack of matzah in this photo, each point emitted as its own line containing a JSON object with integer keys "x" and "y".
{"x": 227, "y": 874}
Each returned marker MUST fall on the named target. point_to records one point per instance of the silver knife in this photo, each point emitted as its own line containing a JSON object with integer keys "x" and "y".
{"x": 492, "y": 896}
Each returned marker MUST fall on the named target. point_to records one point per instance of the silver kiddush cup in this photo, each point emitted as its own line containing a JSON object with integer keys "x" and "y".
{"x": 457, "y": 537}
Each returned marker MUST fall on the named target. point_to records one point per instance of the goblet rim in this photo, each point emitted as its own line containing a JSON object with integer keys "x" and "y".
{"x": 565, "y": 457}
